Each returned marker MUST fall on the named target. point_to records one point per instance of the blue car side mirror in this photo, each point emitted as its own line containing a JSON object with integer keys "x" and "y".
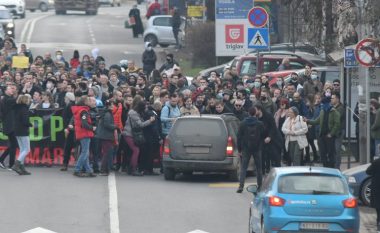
{"x": 252, "y": 189}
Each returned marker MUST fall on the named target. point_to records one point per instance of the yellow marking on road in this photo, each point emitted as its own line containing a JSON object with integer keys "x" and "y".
{"x": 227, "y": 185}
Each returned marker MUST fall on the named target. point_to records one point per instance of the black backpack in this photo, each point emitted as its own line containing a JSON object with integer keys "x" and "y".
{"x": 254, "y": 135}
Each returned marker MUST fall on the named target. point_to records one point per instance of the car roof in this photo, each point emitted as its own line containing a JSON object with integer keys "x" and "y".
{"x": 228, "y": 116}
{"x": 3, "y": 8}
{"x": 305, "y": 169}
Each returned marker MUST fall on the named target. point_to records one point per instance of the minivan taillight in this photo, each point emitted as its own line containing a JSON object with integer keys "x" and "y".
{"x": 276, "y": 201}
{"x": 350, "y": 203}
{"x": 166, "y": 146}
{"x": 230, "y": 147}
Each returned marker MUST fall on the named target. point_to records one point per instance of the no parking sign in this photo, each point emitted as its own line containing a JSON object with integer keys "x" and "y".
{"x": 367, "y": 52}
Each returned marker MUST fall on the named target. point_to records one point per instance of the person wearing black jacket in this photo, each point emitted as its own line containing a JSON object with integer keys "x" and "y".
{"x": 8, "y": 118}
{"x": 250, "y": 127}
{"x": 22, "y": 132}
{"x": 176, "y": 24}
{"x": 152, "y": 142}
{"x": 68, "y": 125}
{"x": 273, "y": 141}
{"x": 374, "y": 171}
{"x": 149, "y": 59}
{"x": 105, "y": 132}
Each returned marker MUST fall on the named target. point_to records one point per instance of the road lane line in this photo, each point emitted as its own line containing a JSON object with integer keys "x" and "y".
{"x": 227, "y": 185}
{"x": 24, "y": 30}
{"x": 113, "y": 204}
{"x": 32, "y": 27}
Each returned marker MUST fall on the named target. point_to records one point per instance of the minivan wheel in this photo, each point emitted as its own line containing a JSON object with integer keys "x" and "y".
{"x": 169, "y": 174}
{"x": 152, "y": 39}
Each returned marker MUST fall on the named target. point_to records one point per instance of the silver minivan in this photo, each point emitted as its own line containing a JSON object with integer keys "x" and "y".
{"x": 205, "y": 143}
{"x": 42, "y": 5}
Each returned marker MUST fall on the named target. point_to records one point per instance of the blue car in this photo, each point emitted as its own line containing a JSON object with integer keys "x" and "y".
{"x": 360, "y": 182}
{"x": 303, "y": 199}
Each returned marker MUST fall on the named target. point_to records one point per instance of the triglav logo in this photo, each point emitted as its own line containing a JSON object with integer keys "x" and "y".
{"x": 235, "y": 33}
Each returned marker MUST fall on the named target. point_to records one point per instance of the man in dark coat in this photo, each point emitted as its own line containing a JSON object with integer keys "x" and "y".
{"x": 149, "y": 59}
{"x": 374, "y": 171}
{"x": 8, "y": 104}
{"x": 137, "y": 28}
{"x": 176, "y": 24}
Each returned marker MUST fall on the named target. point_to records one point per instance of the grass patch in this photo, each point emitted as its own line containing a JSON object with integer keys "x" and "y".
{"x": 187, "y": 68}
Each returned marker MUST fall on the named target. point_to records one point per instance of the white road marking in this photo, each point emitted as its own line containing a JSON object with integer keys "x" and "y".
{"x": 198, "y": 231}
{"x": 24, "y": 30}
{"x": 113, "y": 204}
{"x": 31, "y": 29}
{"x": 39, "y": 230}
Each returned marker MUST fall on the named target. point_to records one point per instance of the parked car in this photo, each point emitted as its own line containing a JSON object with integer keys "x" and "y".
{"x": 159, "y": 31}
{"x": 42, "y": 5}
{"x": 303, "y": 199}
{"x": 205, "y": 143}
{"x": 219, "y": 69}
{"x": 360, "y": 182}
{"x": 250, "y": 64}
{"x": 16, "y": 7}
{"x": 7, "y": 21}
{"x": 325, "y": 74}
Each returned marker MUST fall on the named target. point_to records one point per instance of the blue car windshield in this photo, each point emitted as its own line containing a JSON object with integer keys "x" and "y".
{"x": 312, "y": 184}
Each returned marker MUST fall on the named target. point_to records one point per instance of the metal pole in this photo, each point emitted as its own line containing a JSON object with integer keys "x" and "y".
{"x": 348, "y": 88}
{"x": 368, "y": 125}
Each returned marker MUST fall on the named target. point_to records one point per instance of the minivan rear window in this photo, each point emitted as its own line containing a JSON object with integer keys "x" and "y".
{"x": 313, "y": 184}
{"x": 199, "y": 127}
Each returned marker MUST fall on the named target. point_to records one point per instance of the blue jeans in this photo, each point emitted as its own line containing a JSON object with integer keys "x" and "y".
{"x": 24, "y": 144}
{"x": 83, "y": 160}
{"x": 377, "y": 147}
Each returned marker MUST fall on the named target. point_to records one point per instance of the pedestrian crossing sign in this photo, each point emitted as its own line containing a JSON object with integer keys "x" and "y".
{"x": 258, "y": 38}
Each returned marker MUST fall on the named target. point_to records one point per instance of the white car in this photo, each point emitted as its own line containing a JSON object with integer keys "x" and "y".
{"x": 42, "y": 5}
{"x": 16, "y": 7}
{"x": 159, "y": 31}
{"x": 110, "y": 2}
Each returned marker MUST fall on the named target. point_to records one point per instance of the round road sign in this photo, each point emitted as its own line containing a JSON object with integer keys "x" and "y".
{"x": 258, "y": 17}
{"x": 367, "y": 52}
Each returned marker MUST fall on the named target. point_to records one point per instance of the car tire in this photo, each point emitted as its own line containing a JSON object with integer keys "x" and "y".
{"x": 22, "y": 15}
{"x": 164, "y": 45}
{"x": 190, "y": 173}
{"x": 152, "y": 39}
{"x": 169, "y": 174}
{"x": 32, "y": 10}
{"x": 365, "y": 192}
{"x": 235, "y": 174}
{"x": 250, "y": 230}
{"x": 43, "y": 7}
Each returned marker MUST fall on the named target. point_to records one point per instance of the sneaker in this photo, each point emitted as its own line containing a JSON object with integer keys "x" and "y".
{"x": 63, "y": 169}
{"x": 137, "y": 173}
{"x": 103, "y": 174}
{"x": 78, "y": 174}
{"x": 2, "y": 165}
{"x": 240, "y": 189}
{"x": 90, "y": 174}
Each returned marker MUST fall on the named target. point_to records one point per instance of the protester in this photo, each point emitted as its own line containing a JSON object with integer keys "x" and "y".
{"x": 374, "y": 171}
{"x": 176, "y": 24}
{"x": 137, "y": 27}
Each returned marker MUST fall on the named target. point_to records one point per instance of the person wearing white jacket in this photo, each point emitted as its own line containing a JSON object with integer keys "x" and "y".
{"x": 295, "y": 129}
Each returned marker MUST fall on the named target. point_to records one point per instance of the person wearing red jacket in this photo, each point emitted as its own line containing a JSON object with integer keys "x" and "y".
{"x": 84, "y": 131}
{"x": 153, "y": 9}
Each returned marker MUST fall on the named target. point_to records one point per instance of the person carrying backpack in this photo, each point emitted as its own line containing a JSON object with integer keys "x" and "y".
{"x": 250, "y": 138}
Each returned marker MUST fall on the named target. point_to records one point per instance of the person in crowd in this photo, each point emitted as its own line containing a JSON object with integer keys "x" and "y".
{"x": 105, "y": 132}
{"x": 238, "y": 110}
{"x": 295, "y": 129}
{"x": 374, "y": 171}
{"x": 211, "y": 106}
{"x": 149, "y": 59}
{"x": 8, "y": 104}
{"x": 189, "y": 108}
{"x": 68, "y": 125}
{"x": 84, "y": 131}
{"x": 169, "y": 114}
{"x": 273, "y": 141}
{"x": 328, "y": 121}
{"x": 299, "y": 103}
{"x": 280, "y": 117}
{"x": 153, "y": 9}
{"x": 285, "y": 65}
{"x": 176, "y": 25}
{"x": 317, "y": 107}
{"x": 22, "y": 132}
{"x": 137, "y": 28}
{"x": 47, "y": 101}
{"x": 266, "y": 102}
{"x": 219, "y": 108}
{"x": 310, "y": 135}
{"x": 169, "y": 64}
{"x": 335, "y": 102}
{"x": 312, "y": 85}
{"x": 135, "y": 120}
{"x": 74, "y": 61}
{"x": 250, "y": 139}
{"x": 336, "y": 86}
{"x": 37, "y": 100}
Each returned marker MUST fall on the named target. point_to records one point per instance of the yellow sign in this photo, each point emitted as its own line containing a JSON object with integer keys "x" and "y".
{"x": 20, "y": 62}
{"x": 195, "y": 11}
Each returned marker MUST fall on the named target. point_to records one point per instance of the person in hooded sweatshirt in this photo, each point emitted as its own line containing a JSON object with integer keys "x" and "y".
{"x": 149, "y": 59}
{"x": 250, "y": 139}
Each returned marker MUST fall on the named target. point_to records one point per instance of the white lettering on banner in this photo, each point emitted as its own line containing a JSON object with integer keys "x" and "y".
{"x": 39, "y": 230}
{"x": 234, "y": 46}
{"x": 227, "y": 1}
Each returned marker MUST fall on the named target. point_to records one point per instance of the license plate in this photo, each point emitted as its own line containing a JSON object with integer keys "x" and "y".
{"x": 197, "y": 150}
{"x": 314, "y": 226}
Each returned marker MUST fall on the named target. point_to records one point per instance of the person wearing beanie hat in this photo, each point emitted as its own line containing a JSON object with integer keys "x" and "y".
{"x": 329, "y": 122}
{"x": 295, "y": 129}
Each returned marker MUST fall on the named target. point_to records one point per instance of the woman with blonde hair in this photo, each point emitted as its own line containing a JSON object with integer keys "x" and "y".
{"x": 22, "y": 132}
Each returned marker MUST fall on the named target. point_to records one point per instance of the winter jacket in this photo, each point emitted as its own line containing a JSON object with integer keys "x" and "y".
{"x": 168, "y": 112}
{"x": 375, "y": 127}
{"x": 374, "y": 171}
{"x": 8, "y": 104}
{"x": 193, "y": 111}
{"x": 149, "y": 59}
{"x": 333, "y": 122}
{"x": 152, "y": 132}
{"x": 82, "y": 122}
{"x": 106, "y": 127}
{"x": 295, "y": 130}
{"x": 117, "y": 112}
{"x": 135, "y": 120}
{"x": 22, "y": 119}
{"x": 243, "y": 141}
